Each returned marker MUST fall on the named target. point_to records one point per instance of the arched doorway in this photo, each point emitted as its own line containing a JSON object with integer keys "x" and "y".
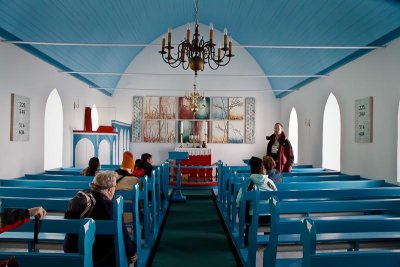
{"x": 53, "y": 131}
{"x": 331, "y": 134}
{"x": 294, "y": 133}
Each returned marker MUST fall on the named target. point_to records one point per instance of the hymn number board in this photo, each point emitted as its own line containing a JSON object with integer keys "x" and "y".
{"x": 363, "y": 120}
{"x": 20, "y": 118}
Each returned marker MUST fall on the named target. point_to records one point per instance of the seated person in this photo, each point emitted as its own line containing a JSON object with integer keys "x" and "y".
{"x": 126, "y": 180}
{"x": 273, "y": 174}
{"x": 11, "y": 219}
{"x": 147, "y": 161}
{"x": 93, "y": 168}
{"x": 259, "y": 178}
{"x": 138, "y": 170}
{"x": 102, "y": 189}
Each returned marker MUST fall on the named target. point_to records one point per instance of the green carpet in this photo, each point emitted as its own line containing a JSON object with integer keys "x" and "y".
{"x": 193, "y": 235}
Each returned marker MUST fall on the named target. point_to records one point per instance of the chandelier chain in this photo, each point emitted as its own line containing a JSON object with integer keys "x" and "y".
{"x": 196, "y": 11}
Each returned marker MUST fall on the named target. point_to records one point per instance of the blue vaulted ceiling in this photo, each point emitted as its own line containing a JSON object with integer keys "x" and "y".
{"x": 250, "y": 22}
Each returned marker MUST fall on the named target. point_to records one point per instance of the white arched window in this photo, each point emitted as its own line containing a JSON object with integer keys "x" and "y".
{"x": 294, "y": 133}
{"x": 331, "y": 135}
{"x": 53, "y": 131}
{"x": 95, "y": 118}
{"x": 398, "y": 144}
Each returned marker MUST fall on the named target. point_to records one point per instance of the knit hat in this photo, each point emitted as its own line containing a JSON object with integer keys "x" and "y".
{"x": 127, "y": 160}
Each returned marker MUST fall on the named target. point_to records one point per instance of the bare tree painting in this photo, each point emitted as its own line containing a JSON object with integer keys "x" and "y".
{"x": 184, "y": 109}
{"x": 220, "y": 132}
{"x": 168, "y": 107}
{"x": 235, "y": 132}
{"x": 167, "y": 131}
{"x": 220, "y": 120}
{"x": 151, "y": 107}
{"x": 151, "y": 131}
{"x": 236, "y": 108}
{"x": 204, "y": 110}
{"x": 220, "y": 108}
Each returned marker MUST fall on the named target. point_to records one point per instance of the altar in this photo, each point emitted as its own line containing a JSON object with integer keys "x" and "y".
{"x": 197, "y": 157}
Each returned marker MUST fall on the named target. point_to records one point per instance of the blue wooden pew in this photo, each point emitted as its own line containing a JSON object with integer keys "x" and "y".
{"x": 56, "y": 177}
{"x": 353, "y": 231}
{"x": 286, "y": 190}
{"x": 223, "y": 172}
{"x": 152, "y": 216}
{"x": 330, "y": 184}
{"x": 287, "y": 230}
{"x": 285, "y": 174}
{"x": 110, "y": 227}
{"x": 298, "y": 197}
{"x": 322, "y": 178}
{"x": 53, "y": 227}
{"x": 45, "y": 183}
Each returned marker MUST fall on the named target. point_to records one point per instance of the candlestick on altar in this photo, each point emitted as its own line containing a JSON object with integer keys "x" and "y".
{"x": 181, "y": 140}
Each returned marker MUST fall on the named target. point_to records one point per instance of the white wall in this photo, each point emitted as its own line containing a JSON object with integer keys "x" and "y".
{"x": 150, "y": 61}
{"x": 23, "y": 74}
{"x": 375, "y": 74}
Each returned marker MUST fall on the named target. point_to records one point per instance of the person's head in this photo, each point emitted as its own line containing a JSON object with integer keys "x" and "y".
{"x": 94, "y": 163}
{"x": 256, "y": 165}
{"x": 127, "y": 161}
{"x": 278, "y": 128}
{"x": 105, "y": 182}
{"x": 138, "y": 164}
{"x": 146, "y": 157}
{"x": 269, "y": 163}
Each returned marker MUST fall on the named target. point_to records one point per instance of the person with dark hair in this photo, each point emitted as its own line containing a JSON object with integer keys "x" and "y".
{"x": 14, "y": 218}
{"x": 93, "y": 168}
{"x": 273, "y": 174}
{"x": 138, "y": 170}
{"x": 259, "y": 178}
{"x": 98, "y": 205}
{"x": 280, "y": 149}
{"x": 147, "y": 161}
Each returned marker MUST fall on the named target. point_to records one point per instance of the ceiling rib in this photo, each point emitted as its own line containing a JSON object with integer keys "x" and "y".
{"x": 183, "y": 74}
{"x": 152, "y": 44}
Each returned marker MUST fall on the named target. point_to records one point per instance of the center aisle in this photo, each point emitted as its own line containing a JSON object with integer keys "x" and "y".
{"x": 193, "y": 235}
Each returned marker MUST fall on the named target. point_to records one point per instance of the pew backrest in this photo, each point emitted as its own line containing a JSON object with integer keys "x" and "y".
{"x": 85, "y": 229}
{"x": 343, "y": 230}
{"x": 111, "y": 227}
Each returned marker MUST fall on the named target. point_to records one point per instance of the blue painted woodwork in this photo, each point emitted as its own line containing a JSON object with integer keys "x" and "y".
{"x": 177, "y": 195}
{"x": 123, "y": 129}
{"x": 350, "y": 230}
{"x": 95, "y": 138}
{"x": 53, "y": 228}
{"x": 113, "y": 227}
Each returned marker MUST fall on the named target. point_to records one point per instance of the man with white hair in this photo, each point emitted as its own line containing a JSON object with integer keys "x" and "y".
{"x": 97, "y": 203}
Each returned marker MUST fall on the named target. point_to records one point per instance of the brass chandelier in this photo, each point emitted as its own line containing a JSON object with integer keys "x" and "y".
{"x": 196, "y": 53}
{"x": 195, "y": 98}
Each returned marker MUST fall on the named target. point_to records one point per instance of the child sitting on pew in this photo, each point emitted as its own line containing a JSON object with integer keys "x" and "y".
{"x": 102, "y": 189}
{"x": 259, "y": 178}
{"x": 273, "y": 174}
